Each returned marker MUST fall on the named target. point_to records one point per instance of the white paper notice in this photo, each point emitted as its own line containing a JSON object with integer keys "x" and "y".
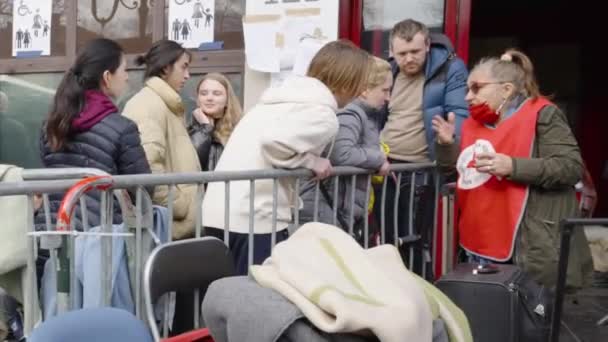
{"x": 191, "y": 22}
{"x": 32, "y": 27}
{"x": 295, "y": 29}
{"x": 261, "y": 46}
{"x": 307, "y": 50}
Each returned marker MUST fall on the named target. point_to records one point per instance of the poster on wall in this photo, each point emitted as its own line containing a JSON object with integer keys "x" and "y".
{"x": 291, "y": 30}
{"x": 261, "y": 35}
{"x": 191, "y": 22}
{"x": 32, "y": 27}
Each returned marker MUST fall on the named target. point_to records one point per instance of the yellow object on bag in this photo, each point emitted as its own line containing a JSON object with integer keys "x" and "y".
{"x": 380, "y": 179}
{"x": 370, "y": 206}
{"x": 377, "y": 180}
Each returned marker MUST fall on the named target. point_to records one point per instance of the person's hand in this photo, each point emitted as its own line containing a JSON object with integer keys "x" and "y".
{"x": 322, "y": 168}
{"x": 497, "y": 164}
{"x": 200, "y": 117}
{"x": 38, "y": 201}
{"x": 445, "y": 129}
{"x": 384, "y": 169}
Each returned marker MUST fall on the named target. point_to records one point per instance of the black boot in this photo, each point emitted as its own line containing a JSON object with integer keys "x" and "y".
{"x": 11, "y": 318}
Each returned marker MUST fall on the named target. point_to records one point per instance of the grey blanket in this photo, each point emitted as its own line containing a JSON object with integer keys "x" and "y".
{"x": 239, "y": 309}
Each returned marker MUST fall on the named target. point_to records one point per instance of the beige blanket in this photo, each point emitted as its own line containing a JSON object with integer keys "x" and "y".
{"x": 341, "y": 287}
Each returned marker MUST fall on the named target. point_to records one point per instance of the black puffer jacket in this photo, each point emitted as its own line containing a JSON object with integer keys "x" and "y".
{"x": 111, "y": 145}
{"x": 207, "y": 147}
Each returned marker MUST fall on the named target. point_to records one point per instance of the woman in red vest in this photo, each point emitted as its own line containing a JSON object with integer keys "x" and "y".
{"x": 517, "y": 165}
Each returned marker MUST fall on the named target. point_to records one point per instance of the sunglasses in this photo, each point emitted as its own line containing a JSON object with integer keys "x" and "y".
{"x": 475, "y": 87}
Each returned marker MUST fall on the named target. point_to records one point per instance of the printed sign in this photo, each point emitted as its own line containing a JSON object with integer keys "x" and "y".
{"x": 191, "y": 22}
{"x": 470, "y": 178}
{"x": 32, "y": 27}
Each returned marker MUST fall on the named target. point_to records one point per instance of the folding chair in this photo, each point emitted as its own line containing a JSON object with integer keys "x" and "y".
{"x": 181, "y": 266}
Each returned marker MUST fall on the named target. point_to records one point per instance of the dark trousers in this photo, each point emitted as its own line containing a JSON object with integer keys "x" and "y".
{"x": 421, "y": 221}
{"x": 239, "y": 246}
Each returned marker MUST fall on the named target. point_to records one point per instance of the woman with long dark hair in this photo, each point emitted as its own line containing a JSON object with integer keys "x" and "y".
{"x": 84, "y": 127}
{"x": 158, "y": 111}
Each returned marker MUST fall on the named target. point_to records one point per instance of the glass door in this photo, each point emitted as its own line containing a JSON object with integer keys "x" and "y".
{"x": 367, "y": 23}
{"x": 379, "y": 16}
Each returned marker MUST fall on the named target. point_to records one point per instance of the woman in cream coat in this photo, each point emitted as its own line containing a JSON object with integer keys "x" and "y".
{"x": 159, "y": 113}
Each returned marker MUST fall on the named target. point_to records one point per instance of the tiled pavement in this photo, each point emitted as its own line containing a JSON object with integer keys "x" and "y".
{"x": 583, "y": 310}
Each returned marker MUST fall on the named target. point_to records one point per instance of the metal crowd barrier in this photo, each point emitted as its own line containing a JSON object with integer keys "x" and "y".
{"x": 60, "y": 234}
{"x": 137, "y": 213}
{"x": 567, "y": 227}
{"x": 445, "y": 238}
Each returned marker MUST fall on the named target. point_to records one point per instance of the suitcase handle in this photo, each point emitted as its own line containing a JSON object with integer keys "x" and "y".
{"x": 486, "y": 269}
{"x": 566, "y": 227}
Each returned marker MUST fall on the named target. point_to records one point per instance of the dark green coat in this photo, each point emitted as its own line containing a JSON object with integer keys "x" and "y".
{"x": 555, "y": 167}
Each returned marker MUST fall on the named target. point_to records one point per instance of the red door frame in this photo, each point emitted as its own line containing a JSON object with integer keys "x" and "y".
{"x": 464, "y": 28}
{"x": 457, "y": 25}
{"x": 350, "y": 20}
{"x": 450, "y": 23}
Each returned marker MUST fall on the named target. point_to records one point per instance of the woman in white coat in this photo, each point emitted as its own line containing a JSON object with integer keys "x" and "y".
{"x": 289, "y": 129}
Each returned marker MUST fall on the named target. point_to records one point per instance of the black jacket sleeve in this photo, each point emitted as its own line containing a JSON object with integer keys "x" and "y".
{"x": 201, "y": 136}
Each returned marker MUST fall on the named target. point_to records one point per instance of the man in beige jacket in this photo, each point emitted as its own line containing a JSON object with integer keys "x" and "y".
{"x": 159, "y": 113}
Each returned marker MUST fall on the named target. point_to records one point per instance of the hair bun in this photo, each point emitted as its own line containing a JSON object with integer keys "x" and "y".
{"x": 507, "y": 57}
{"x": 141, "y": 60}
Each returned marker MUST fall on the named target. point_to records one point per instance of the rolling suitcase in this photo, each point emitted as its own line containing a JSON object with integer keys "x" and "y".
{"x": 500, "y": 301}
{"x": 503, "y": 304}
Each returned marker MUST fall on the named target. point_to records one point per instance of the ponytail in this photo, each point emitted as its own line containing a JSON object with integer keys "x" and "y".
{"x": 98, "y": 56}
{"x": 69, "y": 100}
{"x": 520, "y": 59}
{"x": 162, "y": 54}
{"x": 140, "y": 60}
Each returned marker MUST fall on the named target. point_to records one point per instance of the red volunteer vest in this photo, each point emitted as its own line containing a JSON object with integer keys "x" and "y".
{"x": 491, "y": 209}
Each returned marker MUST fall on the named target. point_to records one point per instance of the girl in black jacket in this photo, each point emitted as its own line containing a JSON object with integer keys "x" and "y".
{"x": 214, "y": 120}
{"x": 84, "y": 128}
